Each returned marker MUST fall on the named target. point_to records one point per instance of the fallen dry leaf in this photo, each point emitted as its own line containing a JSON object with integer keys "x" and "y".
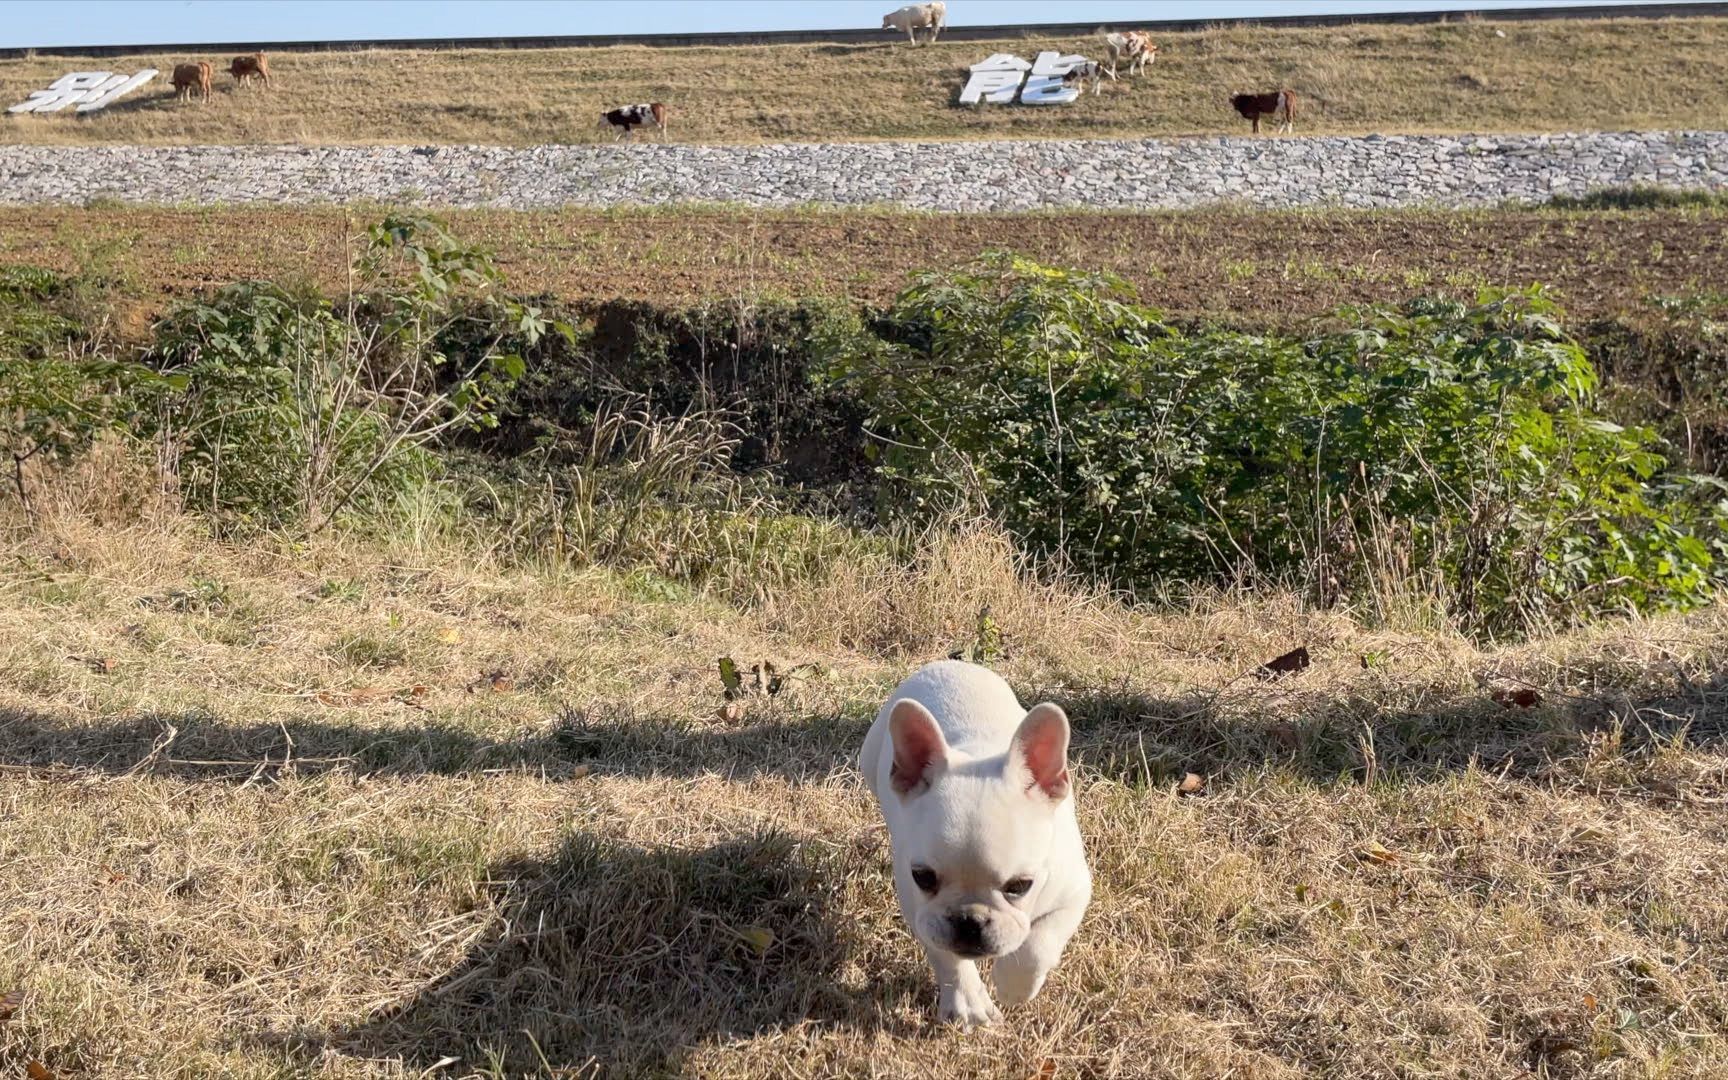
{"x": 1552, "y": 1045}
{"x": 757, "y": 937}
{"x": 1378, "y": 853}
{"x": 35, "y": 1070}
{"x": 731, "y": 712}
{"x": 449, "y": 635}
{"x": 495, "y": 680}
{"x": 1590, "y": 1003}
{"x": 1046, "y": 1070}
{"x": 367, "y": 695}
{"x": 360, "y": 695}
{"x": 9, "y": 1005}
{"x": 1523, "y": 698}
{"x": 1192, "y": 784}
{"x": 580, "y": 771}
{"x": 730, "y": 680}
{"x": 1288, "y": 664}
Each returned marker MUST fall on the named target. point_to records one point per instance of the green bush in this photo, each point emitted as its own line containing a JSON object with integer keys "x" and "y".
{"x": 1639, "y": 197}
{"x": 296, "y": 408}
{"x": 57, "y": 392}
{"x": 1453, "y": 446}
{"x": 1665, "y": 363}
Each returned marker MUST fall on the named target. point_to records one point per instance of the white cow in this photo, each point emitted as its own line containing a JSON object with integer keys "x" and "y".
{"x": 915, "y": 17}
{"x": 1135, "y": 46}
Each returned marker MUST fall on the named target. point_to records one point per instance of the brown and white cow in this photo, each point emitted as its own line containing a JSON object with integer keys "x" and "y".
{"x": 626, "y": 119}
{"x": 912, "y": 18}
{"x": 1276, "y": 104}
{"x": 1135, "y": 46}
{"x": 190, "y": 79}
{"x": 248, "y": 67}
{"x": 1087, "y": 71}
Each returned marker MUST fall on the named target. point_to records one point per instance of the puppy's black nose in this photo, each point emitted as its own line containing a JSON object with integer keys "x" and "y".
{"x": 967, "y": 931}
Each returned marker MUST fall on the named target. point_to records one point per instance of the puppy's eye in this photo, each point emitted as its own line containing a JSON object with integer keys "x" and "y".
{"x": 1017, "y": 887}
{"x": 924, "y": 878}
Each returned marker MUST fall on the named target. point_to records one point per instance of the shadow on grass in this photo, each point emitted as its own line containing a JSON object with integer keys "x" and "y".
{"x": 609, "y": 959}
{"x": 1126, "y": 736}
{"x": 166, "y": 98}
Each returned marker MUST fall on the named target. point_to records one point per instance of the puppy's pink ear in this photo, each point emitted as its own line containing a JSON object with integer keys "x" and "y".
{"x": 1040, "y": 748}
{"x": 918, "y": 745}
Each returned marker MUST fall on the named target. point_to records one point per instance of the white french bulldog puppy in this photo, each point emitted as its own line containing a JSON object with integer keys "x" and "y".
{"x": 987, "y": 855}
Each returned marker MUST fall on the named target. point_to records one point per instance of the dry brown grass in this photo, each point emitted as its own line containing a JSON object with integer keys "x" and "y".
{"x": 262, "y": 815}
{"x": 1564, "y": 75}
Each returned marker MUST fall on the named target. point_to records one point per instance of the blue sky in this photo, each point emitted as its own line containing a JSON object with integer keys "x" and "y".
{"x": 143, "y": 22}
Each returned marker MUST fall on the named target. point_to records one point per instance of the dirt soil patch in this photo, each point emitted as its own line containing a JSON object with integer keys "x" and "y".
{"x": 1264, "y": 266}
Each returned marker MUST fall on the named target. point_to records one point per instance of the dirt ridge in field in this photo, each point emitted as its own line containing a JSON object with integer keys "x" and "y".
{"x": 1260, "y": 267}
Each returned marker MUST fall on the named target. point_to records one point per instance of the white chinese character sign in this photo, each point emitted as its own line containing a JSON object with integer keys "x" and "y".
{"x": 1000, "y": 77}
{"x": 89, "y": 90}
{"x": 996, "y": 80}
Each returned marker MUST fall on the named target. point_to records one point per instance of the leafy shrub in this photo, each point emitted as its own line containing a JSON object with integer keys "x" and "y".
{"x": 33, "y": 322}
{"x": 57, "y": 395}
{"x": 1666, "y": 364}
{"x": 1455, "y": 446}
{"x": 296, "y": 407}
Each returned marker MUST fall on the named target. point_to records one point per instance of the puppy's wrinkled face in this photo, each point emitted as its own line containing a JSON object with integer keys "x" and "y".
{"x": 973, "y": 866}
{"x": 974, "y": 849}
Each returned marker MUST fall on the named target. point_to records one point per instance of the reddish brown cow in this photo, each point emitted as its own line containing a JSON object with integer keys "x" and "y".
{"x": 245, "y": 68}
{"x": 1254, "y": 106}
{"x": 192, "y": 79}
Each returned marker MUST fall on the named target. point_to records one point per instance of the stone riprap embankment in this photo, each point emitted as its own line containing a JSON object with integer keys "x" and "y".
{"x": 1366, "y": 171}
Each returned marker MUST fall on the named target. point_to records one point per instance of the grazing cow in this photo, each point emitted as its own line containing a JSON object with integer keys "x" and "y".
{"x": 1135, "y": 46}
{"x": 1254, "y": 106}
{"x": 246, "y": 68}
{"x": 1087, "y": 71}
{"x": 630, "y": 117}
{"x": 912, "y": 18}
{"x": 190, "y": 79}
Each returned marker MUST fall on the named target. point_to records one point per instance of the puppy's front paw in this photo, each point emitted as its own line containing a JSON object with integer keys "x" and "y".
{"x": 1018, "y": 979}
{"x": 969, "y": 1007}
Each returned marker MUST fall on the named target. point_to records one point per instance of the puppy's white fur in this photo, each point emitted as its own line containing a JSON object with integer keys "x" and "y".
{"x": 976, "y": 794}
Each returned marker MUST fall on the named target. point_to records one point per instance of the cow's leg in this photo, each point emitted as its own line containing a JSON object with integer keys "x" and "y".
{"x": 1256, "y": 119}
